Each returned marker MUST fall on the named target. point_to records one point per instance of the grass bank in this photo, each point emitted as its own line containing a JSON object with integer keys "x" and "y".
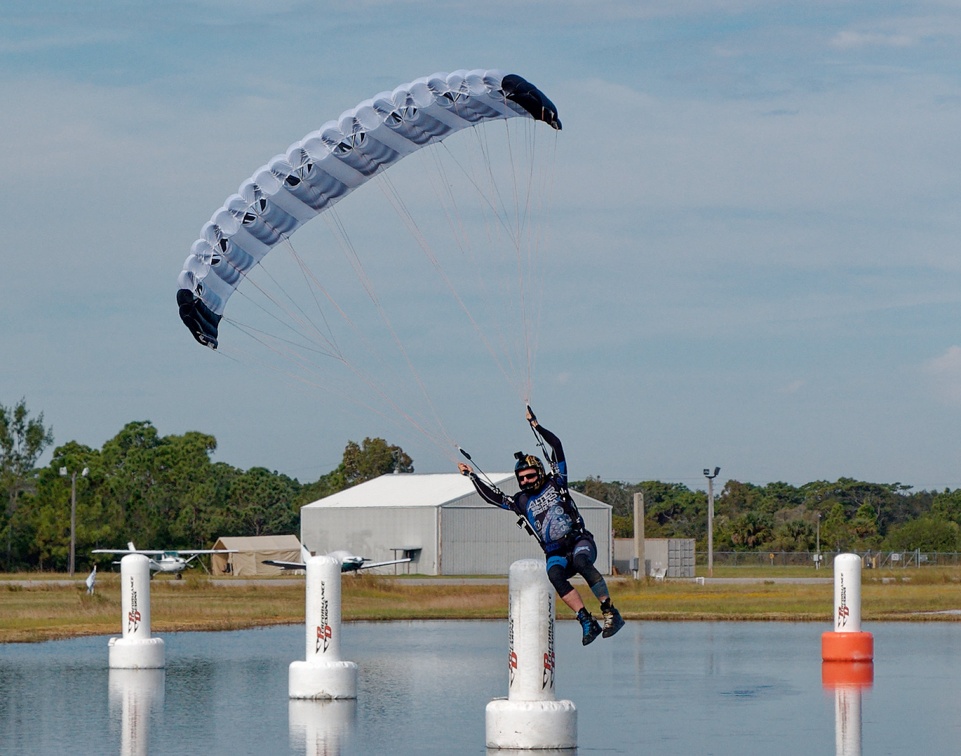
{"x": 35, "y": 608}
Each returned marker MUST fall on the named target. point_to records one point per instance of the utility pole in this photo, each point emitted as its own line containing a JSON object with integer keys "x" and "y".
{"x": 73, "y": 514}
{"x": 710, "y": 518}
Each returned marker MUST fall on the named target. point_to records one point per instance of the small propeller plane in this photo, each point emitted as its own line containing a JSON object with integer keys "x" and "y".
{"x": 171, "y": 561}
{"x": 348, "y": 562}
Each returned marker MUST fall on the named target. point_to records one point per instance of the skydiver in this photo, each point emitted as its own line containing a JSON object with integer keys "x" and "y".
{"x": 549, "y": 514}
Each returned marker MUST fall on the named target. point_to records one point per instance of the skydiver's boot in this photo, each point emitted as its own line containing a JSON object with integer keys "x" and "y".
{"x": 612, "y": 619}
{"x": 589, "y": 626}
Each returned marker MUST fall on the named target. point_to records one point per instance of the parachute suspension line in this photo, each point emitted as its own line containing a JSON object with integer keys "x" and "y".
{"x": 353, "y": 259}
{"x": 492, "y": 200}
{"x": 543, "y": 242}
{"x": 441, "y": 184}
{"x": 352, "y": 397}
{"x": 394, "y": 197}
{"x": 294, "y": 312}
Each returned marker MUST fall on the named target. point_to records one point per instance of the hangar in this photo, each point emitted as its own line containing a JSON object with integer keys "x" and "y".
{"x": 439, "y": 521}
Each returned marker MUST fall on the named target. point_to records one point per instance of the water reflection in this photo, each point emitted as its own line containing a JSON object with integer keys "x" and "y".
{"x": 667, "y": 688}
{"x": 135, "y": 695}
{"x": 321, "y": 728}
{"x": 847, "y": 680}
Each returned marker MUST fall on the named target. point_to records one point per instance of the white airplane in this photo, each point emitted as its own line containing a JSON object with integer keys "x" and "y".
{"x": 169, "y": 561}
{"x": 348, "y": 562}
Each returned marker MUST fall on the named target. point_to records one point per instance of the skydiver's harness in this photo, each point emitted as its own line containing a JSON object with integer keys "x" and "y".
{"x": 578, "y": 530}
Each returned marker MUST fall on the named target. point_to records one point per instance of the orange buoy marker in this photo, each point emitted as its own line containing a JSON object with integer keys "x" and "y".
{"x": 323, "y": 674}
{"x": 531, "y": 718}
{"x": 136, "y": 648}
{"x": 847, "y": 642}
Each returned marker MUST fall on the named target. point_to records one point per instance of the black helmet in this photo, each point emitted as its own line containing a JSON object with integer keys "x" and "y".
{"x": 528, "y": 462}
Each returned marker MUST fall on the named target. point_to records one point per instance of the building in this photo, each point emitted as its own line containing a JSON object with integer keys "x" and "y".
{"x": 250, "y": 553}
{"x": 663, "y": 557}
{"x": 439, "y": 521}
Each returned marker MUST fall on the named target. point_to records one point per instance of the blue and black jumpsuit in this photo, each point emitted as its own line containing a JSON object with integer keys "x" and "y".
{"x": 553, "y": 519}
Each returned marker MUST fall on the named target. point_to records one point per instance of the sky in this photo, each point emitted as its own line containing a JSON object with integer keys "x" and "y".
{"x": 753, "y": 246}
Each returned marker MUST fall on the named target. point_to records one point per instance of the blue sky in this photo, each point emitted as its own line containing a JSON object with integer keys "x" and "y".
{"x": 754, "y": 244}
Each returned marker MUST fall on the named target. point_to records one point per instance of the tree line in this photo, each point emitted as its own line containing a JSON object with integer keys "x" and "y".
{"x": 167, "y": 492}
{"x": 157, "y": 491}
{"x": 843, "y": 515}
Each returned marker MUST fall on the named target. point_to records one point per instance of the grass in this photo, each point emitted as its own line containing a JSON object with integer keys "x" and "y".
{"x": 46, "y": 609}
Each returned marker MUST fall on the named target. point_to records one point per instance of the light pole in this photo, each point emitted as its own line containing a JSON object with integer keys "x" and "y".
{"x": 73, "y": 513}
{"x": 710, "y": 518}
{"x": 817, "y": 555}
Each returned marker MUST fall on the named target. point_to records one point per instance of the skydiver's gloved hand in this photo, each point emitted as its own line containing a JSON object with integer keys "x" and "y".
{"x": 464, "y": 469}
{"x": 531, "y": 418}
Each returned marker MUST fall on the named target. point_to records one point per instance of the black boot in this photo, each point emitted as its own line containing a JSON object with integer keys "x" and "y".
{"x": 612, "y": 619}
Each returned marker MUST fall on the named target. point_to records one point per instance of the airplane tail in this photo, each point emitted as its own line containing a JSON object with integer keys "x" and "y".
{"x": 131, "y": 546}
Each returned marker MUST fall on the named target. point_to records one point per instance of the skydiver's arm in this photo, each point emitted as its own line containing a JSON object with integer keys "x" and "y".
{"x": 554, "y": 442}
{"x": 488, "y": 494}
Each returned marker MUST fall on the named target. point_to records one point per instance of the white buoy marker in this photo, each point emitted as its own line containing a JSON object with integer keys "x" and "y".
{"x": 135, "y": 649}
{"x": 531, "y": 717}
{"x": 323, "y": 674}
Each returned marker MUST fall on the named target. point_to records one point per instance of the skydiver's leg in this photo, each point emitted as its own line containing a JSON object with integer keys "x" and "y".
{"x": 585, "y": 552}
{"x": 559, "y": 572}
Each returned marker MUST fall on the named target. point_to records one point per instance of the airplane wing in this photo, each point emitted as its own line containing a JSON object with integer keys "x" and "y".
{"x": 344, "y": 566}
{"x": 128, "y": 551}
{"x": 285, "y": 565}
{"x": 366, "y": 566}
{"x": 195, "y": 552}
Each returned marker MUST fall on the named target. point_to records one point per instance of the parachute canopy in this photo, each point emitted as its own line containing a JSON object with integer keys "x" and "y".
{"x": 327, "y": 164}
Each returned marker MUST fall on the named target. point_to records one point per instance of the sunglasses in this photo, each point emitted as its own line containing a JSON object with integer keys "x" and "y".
{"x": 528, "y": 476}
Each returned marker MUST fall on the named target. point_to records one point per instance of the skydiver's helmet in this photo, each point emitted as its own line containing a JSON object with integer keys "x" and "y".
{"x": 526, "y": 463}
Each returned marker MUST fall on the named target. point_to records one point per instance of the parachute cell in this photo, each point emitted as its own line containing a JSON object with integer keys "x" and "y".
{"x": 326, "y": 165}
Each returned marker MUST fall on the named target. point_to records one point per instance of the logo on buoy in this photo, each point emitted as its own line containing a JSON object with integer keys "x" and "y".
{"x": 511, "y": 656}
{"x": 324, "y": 631}
{"x": 133, "y": 616}
{"x": 843, "y": 611}
{"x": 547, "y": 680}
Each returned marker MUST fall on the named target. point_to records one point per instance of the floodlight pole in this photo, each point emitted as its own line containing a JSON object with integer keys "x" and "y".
{"x": 817, "y": 557}
{"x": 710, "y": 518}
{"x": 73, "y": 515}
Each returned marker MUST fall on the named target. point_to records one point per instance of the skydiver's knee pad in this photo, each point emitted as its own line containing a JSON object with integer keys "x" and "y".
{"x": 557, "y": 574}
{"x": 585, "y": 552}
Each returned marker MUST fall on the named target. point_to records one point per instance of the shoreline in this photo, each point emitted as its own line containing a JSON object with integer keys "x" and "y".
{"x": 35, "y": 609}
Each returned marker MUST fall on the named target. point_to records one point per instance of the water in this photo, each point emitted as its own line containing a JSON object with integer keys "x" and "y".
{"x": 660, "y": 688}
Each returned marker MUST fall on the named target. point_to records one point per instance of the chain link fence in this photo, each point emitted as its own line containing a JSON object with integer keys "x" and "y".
{"x": 871, "y": 559}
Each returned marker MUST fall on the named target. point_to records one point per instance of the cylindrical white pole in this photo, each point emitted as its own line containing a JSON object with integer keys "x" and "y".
{"x": 323, "y": 609}
{"x": 135, "y": 596}
{"x": 323, "y": 674}
{"x": 530, "y": 633}
{"x": 136, "y": 649}
{"x": 531, "y": 717}
{"x": 847, "y": 593}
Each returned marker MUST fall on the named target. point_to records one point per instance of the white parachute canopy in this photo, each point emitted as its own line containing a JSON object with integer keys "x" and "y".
{"x": 326, "y": 166}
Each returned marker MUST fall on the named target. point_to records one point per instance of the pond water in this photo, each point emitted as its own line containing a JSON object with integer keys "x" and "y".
{"x": 719, "y": 688}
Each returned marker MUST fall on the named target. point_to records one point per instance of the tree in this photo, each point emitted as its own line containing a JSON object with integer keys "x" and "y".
{"x": 373, "y": 459}
{"x": 22, "y": 441}
{"x": 925, "y": 533}
{"x": 264, "y": 503}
